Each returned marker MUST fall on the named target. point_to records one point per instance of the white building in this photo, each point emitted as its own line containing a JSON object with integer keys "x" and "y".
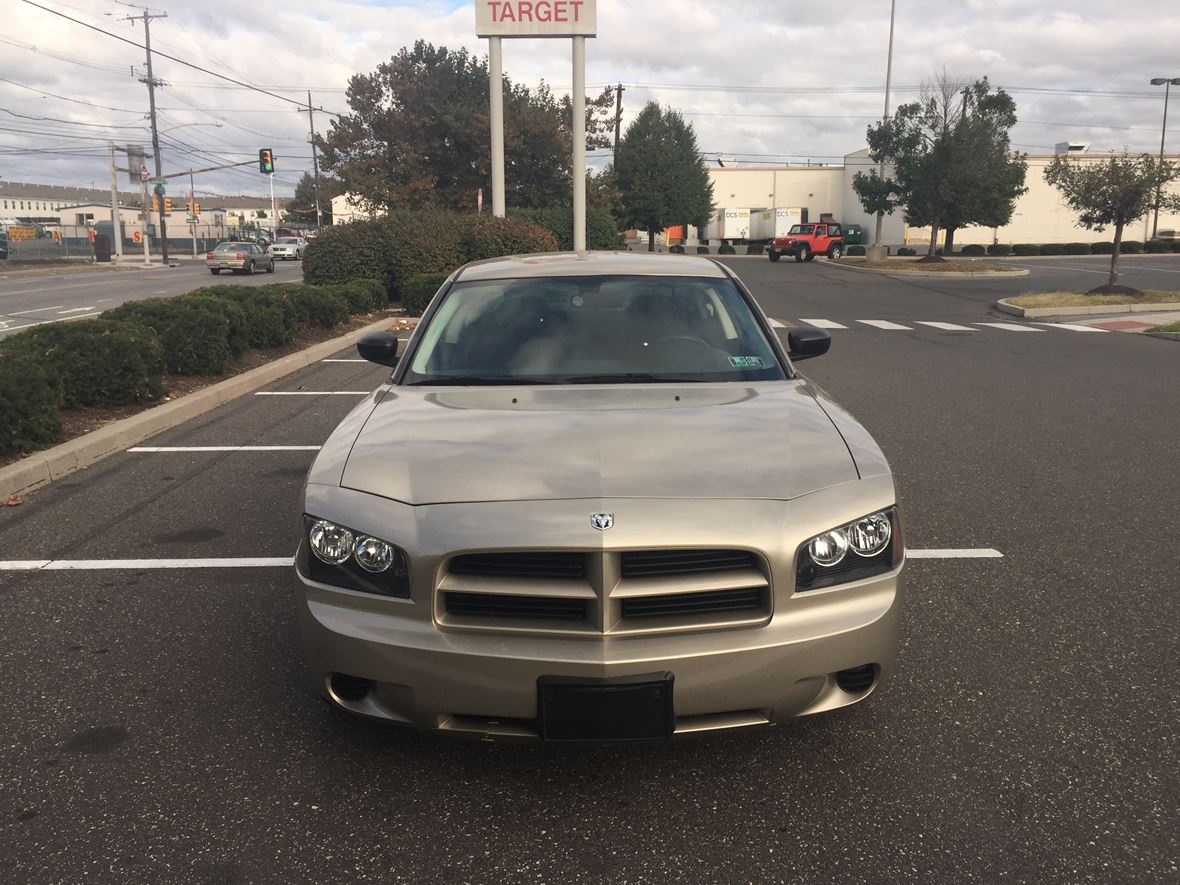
{"x": 1040, "y": 215}
{"x": 348, "y": 207}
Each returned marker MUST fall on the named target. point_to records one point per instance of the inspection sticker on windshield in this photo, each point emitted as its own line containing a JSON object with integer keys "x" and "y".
{"x": 747, "y": 362}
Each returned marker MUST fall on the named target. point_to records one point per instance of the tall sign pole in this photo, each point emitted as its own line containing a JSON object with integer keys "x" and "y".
{"x": 579, "y": 130}
{"x": 496, "y": 114}
{"x": 576, "y": 19}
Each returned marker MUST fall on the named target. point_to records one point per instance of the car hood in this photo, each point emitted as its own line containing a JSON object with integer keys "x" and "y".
{"x": 437, "y": 446}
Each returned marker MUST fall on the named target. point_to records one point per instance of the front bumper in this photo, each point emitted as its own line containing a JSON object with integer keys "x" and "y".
{"x": 392, "y": 659}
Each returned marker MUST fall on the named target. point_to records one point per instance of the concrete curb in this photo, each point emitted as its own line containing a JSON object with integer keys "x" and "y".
{"x": 44, "y": 467}
{"x": 933, "y": 274}
{"x": 1094, "y": 310}
{"x": 1170, "y": 336}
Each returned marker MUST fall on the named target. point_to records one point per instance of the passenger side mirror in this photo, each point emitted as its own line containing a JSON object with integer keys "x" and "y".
{"x": 805, "y": 342}
{"x": 378, "y": 347}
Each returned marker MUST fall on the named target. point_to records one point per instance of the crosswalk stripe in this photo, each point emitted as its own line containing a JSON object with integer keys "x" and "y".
{"x": 884, "y": 324}
{"x": 776, "y": 324}
{"x": 949, "y": 327}
{"x": 1072, "y": 327}
{"x": 1010, "y": 327}
{"x": 823, "y": 324}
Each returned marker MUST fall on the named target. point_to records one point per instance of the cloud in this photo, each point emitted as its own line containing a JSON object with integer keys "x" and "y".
{"x": 800, "y": 86}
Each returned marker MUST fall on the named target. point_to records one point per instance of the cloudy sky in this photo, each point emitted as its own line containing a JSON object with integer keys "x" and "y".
{"x": 795, "y": 85}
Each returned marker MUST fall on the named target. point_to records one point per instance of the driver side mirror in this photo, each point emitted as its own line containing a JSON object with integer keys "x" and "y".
{"x": 805, "y": 342}
{"x": 378, "y": 347}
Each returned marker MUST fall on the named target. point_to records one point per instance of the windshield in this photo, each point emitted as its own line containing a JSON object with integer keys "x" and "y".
{"x": 229, "y": 247}
{"x": 287, "y": 240}
{"x": 593, "y": 330}
{"x": 802, "y": 228}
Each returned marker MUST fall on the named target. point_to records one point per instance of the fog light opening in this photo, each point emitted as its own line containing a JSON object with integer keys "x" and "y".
{"x": 857, "y": 680}
{"x": 349, "y": 689}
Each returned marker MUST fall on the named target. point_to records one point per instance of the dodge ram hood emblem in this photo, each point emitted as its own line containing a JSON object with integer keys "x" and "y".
{"x": 602, "y": 521}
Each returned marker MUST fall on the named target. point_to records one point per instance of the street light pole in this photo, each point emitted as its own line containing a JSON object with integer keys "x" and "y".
{"x": 885, "y": 116}
{"x": 1167, "y": 83}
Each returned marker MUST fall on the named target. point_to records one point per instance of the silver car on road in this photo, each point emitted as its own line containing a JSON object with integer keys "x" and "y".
{"x": 595, "y": 501}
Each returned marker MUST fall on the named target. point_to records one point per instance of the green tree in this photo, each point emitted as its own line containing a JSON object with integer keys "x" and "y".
{"x": 1118, "y": 192}
{"x": 660, "y": 174}
{"x": 301, "y": 207}
{"x": 418, "y": 134}
{"x": 952, "y": 159}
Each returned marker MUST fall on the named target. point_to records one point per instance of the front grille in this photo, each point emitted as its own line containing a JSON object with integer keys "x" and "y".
{"x": 520, "y": 565}
{"x": 662, "y": 563}
{"x": 709, "y": 602}
{"x": 499, "y": 606}
{"x": 581, "y": 591}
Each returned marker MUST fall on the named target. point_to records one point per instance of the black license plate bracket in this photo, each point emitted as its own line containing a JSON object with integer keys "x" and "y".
{"x": 625, "y": 708}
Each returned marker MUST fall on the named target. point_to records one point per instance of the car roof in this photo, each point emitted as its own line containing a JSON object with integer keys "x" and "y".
{"x": 587, "y": 264}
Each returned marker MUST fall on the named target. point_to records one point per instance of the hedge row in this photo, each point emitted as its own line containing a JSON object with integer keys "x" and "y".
{"x": 404, "y": 244}
{"x": 1129, "y": 247}
{"x": 121, "y": 356}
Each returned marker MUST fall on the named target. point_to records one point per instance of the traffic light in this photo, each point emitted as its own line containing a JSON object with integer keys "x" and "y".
{"x": 266, "y": 161}
{"x": 156, "y": 203}
{"x": 167, "y": 204}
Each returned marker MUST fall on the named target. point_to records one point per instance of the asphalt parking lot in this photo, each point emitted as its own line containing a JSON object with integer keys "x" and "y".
{"x": 156, "y": 726}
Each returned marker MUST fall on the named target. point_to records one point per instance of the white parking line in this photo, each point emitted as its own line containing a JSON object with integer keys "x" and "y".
{"x": 77, "y": 309}
{"x": 951, "y": 553}
{"x": 885, "y": 324}
{"x": 47, "y": 565}
{"x": 776, "y": 324}
{"x": 823, "y": 324}
{"x": 80, "y": 316}
{"x": 1071, "y": 327}
{"x": 950, "y": 327}
{"x": 312, "y": 392}
{"x": 358, "y": 360}
{"x": 1010, "y": 327}
{"x": 225, "y": 449}
{"x": 17, "y": 313}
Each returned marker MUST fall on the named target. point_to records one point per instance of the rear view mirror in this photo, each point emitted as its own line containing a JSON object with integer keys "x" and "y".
{"x": 378, "y": 347}
{"x": 805, "y": 342}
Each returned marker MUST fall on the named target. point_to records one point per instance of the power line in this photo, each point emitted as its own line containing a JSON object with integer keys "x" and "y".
{"x": 188, "y": 64}
{"x": 64, "y": 98}
{"x": 75, "y": 122}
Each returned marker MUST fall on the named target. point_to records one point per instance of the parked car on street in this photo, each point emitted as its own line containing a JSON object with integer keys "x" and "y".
{"x": 596, "y": 501}
{"x": 288, "y": 247}
{"x": 239, "y": 257}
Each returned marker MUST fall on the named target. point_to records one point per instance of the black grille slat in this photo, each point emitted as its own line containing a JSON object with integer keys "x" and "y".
{"x": 495, "y": 605}
{"x": 709, "y": 602}
{"x": 520, "y": 565}
{"x": 659, "y": 563}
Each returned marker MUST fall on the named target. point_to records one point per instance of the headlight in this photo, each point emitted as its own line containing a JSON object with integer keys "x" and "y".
{"x": 869, "y": 536}
{"x": 875, "y": 541}
{"x": 332, "y": 554}
{"x": 373, "y": 555}
{"x": 330, "y": 543}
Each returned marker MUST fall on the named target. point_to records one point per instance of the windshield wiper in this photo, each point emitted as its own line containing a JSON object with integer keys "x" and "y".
{"x": 480, "y": 381}
{"x": 630, "y": 378}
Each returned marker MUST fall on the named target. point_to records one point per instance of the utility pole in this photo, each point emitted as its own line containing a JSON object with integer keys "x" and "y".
{"x": 116, "y": 215}
{"x": 878, "y": 252}
{"x": 315, "y": 164}
{"x": 192, "y": 209}
{"x": 151, "y": 85}
{"x": 619, "y": 90}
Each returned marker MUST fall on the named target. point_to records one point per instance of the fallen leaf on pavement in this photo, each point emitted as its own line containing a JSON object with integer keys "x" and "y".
{"x": 14, "y": 501}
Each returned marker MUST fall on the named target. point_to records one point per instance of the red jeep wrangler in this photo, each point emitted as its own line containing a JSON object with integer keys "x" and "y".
{"x": 805, "y": 241}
